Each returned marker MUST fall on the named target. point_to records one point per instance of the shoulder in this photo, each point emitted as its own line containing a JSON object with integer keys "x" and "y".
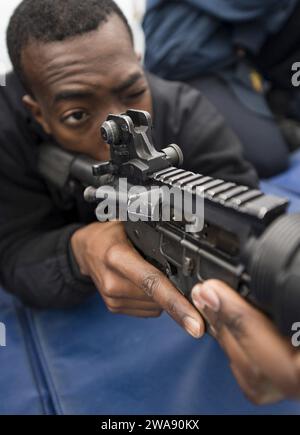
{"x": 166, "y": 93}
{"x": 183, "y": 113}
{"x": 184, "y": 116}
{"x": 175, "y": 106}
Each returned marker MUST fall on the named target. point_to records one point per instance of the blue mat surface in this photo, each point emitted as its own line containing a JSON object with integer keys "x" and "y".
{"x": 289, "y": 181}
{"x": 22, "y": 390}
{"x": 99, "y": 363}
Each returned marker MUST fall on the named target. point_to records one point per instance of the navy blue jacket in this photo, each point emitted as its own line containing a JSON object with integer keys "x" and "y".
{"x": 188, "y": 38}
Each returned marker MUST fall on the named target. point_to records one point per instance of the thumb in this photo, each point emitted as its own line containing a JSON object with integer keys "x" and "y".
{"x": 224, "y": 307}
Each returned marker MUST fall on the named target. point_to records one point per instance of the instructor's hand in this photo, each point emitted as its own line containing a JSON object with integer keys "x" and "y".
{"x": 265, "y": 364}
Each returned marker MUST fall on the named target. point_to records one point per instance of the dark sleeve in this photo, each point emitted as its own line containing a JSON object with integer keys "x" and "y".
{"x": 210, "y": 147}
{"x": 35, "y": 258}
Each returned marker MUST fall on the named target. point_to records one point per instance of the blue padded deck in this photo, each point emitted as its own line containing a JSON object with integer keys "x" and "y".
{"x": 294, "y": 199}
{"x": 287, "y": 184}
{"x": 99, "y": 363}
{"x": 21, "y": 388}
{"x": 290, "y": 180}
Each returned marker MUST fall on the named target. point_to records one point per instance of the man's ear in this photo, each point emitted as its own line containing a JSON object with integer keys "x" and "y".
{"x": 33, "y": 106}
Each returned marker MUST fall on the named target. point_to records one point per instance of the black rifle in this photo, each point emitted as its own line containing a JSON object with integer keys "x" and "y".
{"x": 247, "y": 241}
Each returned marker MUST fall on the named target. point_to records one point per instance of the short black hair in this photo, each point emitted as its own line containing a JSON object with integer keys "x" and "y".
{"x": 55, "y": 20}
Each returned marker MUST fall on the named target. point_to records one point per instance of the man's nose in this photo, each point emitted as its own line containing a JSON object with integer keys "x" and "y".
{"x": 117, "y": 107}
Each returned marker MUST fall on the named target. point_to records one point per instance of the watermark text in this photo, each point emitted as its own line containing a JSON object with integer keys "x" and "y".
{"x": 296, "y": 74}
{"x": 296, "y": 336}
{"x": 2, "y": 335}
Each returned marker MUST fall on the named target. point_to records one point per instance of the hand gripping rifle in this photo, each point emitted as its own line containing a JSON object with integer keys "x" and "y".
{"x": 247, "y": 240}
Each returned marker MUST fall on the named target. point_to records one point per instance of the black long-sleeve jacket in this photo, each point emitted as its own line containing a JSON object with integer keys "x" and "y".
{"x": 37, "y": 222}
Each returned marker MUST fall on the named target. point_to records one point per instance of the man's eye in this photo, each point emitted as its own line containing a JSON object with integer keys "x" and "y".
{"x": 136, "y": 95}
{"x": 75, "y": 118}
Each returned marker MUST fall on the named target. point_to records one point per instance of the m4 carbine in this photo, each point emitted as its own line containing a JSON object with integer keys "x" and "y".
{"x": 247, "y": 240}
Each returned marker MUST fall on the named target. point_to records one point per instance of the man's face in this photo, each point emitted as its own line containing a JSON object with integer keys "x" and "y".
{"x": 76, "y": 83}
